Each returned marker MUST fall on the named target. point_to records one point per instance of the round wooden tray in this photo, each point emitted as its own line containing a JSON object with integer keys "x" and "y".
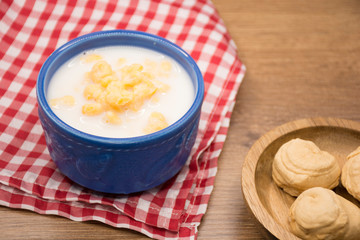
{"x": 269, "y": 204}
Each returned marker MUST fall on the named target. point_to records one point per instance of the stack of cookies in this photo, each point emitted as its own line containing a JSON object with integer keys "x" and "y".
{"x": 304, "y": 171}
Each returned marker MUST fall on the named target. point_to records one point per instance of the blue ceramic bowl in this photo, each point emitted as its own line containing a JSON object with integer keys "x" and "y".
{"x": 119, "y": 165}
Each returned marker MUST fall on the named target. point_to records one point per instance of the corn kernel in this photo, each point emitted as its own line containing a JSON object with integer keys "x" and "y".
{"x": 100, "y": 70}
{"x": 92, "y": 109}
{"x": 144, "y": 89}
{"x": 121, "y": 61}
{"x": 166, "y": 66}
{"x": 142, "y": 92}
{"x": 156, "y": 122}
{"x": 161, "y": 69}
{"x": 118, "y": 98}
{"x": 93, "y": 91}
{"x": 155, "y": 99}
{"x": 147, "y": 76}
{"x": 149, "y": 64}
{"x": 132, "y": 70}
{"x": 108, "y": 79}
{"x": 130, "y": 82}
{"x": 65, "y": 101}
{"x": 135, "y": 105}
{"x": 162, "y": 87}
{"x": 112, "y": 117}
{"x": 91, "y": 58}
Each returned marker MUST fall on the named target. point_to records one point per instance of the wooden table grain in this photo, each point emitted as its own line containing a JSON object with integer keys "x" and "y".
{"x": 302, "y": 59}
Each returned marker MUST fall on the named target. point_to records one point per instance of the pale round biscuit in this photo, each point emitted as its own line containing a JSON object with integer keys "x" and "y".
{"x": 350, "y": 176}
{"x": 319, "y": 213}
{"x": 300, "y": 164}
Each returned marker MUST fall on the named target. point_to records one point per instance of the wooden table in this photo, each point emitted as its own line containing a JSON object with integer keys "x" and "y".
{"x": 302, "y": 59}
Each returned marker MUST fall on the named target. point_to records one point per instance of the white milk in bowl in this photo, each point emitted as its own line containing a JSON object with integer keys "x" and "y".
{"x": 120, "y": 91}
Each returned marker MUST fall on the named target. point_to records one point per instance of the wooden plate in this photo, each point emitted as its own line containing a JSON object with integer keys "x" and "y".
{"x": 269, "y": 204}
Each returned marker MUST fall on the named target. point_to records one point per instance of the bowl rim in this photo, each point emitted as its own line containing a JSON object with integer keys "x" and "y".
{"x": 248, "y": 186}
{"x": 163, "y": 134}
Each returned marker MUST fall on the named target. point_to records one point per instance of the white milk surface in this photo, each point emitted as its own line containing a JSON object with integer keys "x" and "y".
{"x": 70, "y": 80}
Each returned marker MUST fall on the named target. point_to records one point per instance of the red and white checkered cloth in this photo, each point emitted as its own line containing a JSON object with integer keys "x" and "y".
{"x": 31, "y": 30}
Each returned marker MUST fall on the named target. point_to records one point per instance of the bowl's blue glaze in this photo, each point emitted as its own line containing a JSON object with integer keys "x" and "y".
{"x": 119, "y": 165}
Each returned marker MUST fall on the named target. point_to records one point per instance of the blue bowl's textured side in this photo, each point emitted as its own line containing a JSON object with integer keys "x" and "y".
{"x": 119, "y": 169}
{"x": 119, "y": 165}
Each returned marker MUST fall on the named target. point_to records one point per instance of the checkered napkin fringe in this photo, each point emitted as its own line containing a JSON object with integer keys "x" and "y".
{"x": 31, "y": 30}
